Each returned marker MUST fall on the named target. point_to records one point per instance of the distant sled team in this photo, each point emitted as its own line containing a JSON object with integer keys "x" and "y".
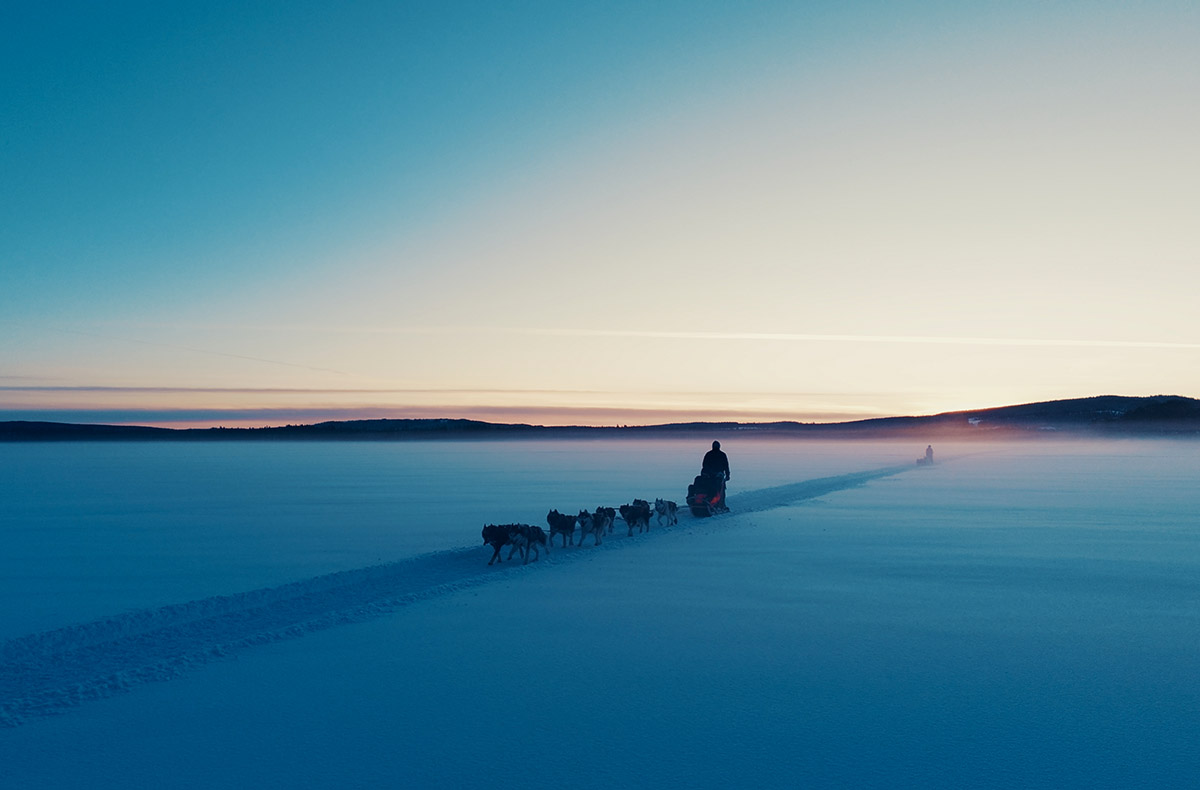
{"x": 528, "y": 539}
{"x": 706, "y": 496}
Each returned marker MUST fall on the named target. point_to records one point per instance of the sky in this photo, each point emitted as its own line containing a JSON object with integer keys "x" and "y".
{"x": 613, "y": 213}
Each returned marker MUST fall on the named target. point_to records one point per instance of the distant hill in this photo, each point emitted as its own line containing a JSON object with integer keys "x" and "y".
{"x": 1106, "y": 415}
{"x": 21, "y": 431}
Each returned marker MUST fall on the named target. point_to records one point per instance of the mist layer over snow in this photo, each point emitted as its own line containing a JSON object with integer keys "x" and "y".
{"x": 1016, "y": 615}
{"x": 94, "y": 529}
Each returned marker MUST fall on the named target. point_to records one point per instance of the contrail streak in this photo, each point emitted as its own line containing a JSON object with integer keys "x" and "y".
{"x": 804, "y": 337}
{"x": 683, "y": 334}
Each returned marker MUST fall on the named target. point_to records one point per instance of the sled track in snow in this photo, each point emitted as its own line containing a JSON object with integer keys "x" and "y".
{"x": 51, "y": 672}
{"x": 779, "y": 496}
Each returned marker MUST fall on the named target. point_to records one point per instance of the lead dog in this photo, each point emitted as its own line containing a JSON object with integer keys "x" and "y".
{"x": 496, "y": 536}
{"x": 665, "y": 508}
{"x": 562, "y": 524}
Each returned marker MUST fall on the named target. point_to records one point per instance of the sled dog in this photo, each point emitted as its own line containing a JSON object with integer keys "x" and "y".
{"x": 527, "y": 538}
{"x": 562, "y": 524}
{"x": 636, "y": 515}
{"x": 496, "y": 536}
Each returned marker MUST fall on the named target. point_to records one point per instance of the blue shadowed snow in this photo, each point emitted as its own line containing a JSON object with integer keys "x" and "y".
{"x": 94, "y": 529}
{"x": 1014, "y": 616}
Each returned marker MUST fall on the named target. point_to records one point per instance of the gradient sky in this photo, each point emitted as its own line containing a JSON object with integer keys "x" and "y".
{"x": 261, "y": 213}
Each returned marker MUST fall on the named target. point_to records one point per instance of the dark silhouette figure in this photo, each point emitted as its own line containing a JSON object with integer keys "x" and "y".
{"x": 706, "y": 494}
{"x": 716, "y": 463}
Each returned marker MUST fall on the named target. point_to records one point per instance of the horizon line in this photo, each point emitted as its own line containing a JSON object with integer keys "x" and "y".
{"x": 498, "y": 415}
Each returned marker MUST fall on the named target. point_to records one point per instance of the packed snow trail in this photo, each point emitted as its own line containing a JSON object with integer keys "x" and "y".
{"x": 779, "y": 496}
{"x": 47, "y": 673}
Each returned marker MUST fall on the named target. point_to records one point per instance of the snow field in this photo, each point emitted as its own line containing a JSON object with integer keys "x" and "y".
{"x": 47, "y": 673}
{"x": 1021, "y": 617}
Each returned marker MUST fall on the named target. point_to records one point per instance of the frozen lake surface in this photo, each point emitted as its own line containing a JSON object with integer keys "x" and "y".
{"x": 1016, "y": 615}
{"x": 95, "y": 529}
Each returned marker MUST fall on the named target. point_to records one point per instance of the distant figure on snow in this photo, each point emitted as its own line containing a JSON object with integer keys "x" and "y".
{"x": 928, "y": 459}
{"x": 715, "y": 463}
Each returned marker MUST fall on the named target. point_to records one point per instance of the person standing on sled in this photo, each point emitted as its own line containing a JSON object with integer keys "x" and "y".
{"x": 716, "y": 465}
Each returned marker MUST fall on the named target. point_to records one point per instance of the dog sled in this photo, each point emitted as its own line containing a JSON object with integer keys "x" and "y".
{"x": 706, "y": 496}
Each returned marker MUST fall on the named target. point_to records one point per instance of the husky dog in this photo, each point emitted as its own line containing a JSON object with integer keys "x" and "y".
{"x": 590, "y": 525}
{"x": 562, "y": 524}
{"x": 637, "y": 514}
{"x": 605, "y": 516}
{"x": 668, "y": 509}
{"x": 496, "y": 537}
{"x": 527, "y": 538}
{"x": 644, "y": 511}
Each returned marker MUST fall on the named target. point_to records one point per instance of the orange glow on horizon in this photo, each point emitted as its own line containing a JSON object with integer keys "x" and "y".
{"x": 547, "y": 417}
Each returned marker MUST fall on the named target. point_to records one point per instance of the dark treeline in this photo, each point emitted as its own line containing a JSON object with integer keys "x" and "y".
{"x": 1107, "y": 415}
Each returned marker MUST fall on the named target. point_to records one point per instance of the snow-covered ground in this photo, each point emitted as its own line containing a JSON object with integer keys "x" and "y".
{"x": 1023, "y": 615}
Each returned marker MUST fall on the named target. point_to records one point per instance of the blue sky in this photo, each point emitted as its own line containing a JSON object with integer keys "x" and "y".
{"x": 250, "y": 213}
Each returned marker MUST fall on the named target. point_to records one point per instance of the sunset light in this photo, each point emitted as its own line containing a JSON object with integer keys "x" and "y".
{"x": 808, "y": 212}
